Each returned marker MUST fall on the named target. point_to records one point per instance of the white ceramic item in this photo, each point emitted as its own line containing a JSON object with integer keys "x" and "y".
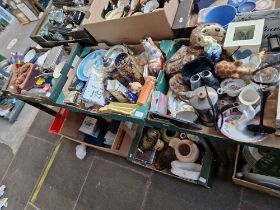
{"x": 232, "y": 87}
{"x": 249, "y": 106}
{"x": 57, "y": 70}
{"x": 30, "y": 56}
{"x": 230, "y": 129}
{"x": 186, "y": 170}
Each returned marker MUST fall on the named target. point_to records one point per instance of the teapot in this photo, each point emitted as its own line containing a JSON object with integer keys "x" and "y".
{"x": 205, "y": 106}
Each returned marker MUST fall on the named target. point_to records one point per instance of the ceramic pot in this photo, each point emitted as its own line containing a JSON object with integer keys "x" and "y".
{"x": 199, "y": 100}
{"x": 150, "y": 139}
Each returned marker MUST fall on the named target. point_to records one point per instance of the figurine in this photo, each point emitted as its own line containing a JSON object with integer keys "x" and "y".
{"x": 211, "y": 48}
{"x": 225, "y": 69}
{"x": 154, "y": 56}
{"x": 135, "y": 87}
{"x": 150, "y": 139}
{"x": 177, "y": 85}
{"x": 214, "y": 30}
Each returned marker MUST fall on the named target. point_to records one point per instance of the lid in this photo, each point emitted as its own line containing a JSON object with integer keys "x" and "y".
{"x": 198, "y": 98}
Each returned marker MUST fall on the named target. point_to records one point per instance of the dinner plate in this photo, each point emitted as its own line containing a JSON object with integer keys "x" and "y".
{"x": 230, "y": 130}
{"x": 94, "y": 59}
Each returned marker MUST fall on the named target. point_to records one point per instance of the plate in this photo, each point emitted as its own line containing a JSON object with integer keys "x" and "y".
{"x": 267, "y": 181}
{"x": 229, "y": 129}
{"x": 94, "y": 59}
{"x": 30, "y": 56}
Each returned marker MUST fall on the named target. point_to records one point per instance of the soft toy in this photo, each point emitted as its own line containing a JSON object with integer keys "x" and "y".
{"x": 212, "y": 49}
{"x": 184, "y": 55}
{"x": 215, "y": 30}
{"x": 235, "y": 69}
{"x": 135, "y": 87}
{"x": 177, "y": 85}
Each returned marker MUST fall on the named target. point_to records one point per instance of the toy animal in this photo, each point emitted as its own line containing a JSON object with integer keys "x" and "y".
{"x": 211, "y": 48}
{"x": 135, "y": 87}
{"x": 184, "y": 55}
{"x": 225, "y": 69}
{"x": 177, "y": 85}
{"x": 214, "y": 30}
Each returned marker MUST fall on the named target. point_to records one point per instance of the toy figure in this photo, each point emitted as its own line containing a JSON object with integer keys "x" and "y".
{"x": 135, "y": 87}
{"x": 211, "y": 47}
{"x": 177, "y": 85}
{"x": 184, "y": 55}
{"x": 214, "y": 30}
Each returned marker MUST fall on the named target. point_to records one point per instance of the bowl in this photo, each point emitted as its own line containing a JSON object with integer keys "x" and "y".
{"x": 223, "y": 15}
{"x": 248, "y": 6}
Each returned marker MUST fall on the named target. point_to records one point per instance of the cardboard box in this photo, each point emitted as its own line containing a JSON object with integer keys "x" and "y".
{"x": 130, "y": 30}
{"x": 248, "y": 184}
{"x": 121, "y": 144}
{"x": 79, "y": 35}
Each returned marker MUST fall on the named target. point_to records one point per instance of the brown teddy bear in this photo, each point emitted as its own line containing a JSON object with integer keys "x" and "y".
{"x": 214, "y": 30}
{"x": 184, "y": 55}
{"x": 177, "y": 85}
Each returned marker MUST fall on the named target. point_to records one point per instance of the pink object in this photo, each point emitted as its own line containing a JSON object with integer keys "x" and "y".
{"x": 47, "y": 87}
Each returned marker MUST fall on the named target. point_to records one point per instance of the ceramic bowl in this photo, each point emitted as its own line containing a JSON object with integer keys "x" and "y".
{"x": 232, "y": 87}
{"x": 223, "y": 15}
{"x": 248, "y": 6}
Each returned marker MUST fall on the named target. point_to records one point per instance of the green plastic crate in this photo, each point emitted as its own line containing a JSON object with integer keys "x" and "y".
{"x": 50, "y": 98}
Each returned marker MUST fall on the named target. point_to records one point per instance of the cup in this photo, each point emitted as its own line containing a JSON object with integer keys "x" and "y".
{"x": 249, "y": 96}
{"x": 249, "y": 105}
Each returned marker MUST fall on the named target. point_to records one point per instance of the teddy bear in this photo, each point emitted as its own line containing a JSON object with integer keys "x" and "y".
{"x": 215, "y": 30}
{"x": 135, "y": 87}
{"x": 184, "y": 55}
{"x": 177, "y": 85}
{"x": 225, "y": 69}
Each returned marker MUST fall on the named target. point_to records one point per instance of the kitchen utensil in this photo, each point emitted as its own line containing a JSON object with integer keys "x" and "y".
{"x": 232, "y": 87}
{"x": 204, "y": 104}
{"x": 223, "y": 15}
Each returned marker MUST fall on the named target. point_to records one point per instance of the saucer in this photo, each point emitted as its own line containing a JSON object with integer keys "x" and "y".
{"x": 229, "y": 129}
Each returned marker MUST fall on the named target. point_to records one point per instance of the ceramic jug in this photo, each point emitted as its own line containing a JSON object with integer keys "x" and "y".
{"x": 201, "y": 103}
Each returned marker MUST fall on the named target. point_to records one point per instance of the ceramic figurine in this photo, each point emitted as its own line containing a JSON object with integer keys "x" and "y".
{"x": 177, "y": 85}
{"x": 135, "y": 87}
{"x": 212, "y": 49}
{"x": 154, "y": 56}
{"x": 184, "y": 55}
{"x": 214, "y": 30}
{"x": 225, "y": 69}
{"x": 150, "y": 139}
{"x": 166, "y": 156}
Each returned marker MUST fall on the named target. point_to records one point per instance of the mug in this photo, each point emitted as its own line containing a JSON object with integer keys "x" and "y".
{"x": 249, "y": 96}
{"x": 249, "y": 105}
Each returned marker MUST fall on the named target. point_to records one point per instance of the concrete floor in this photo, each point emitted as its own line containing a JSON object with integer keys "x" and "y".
{"x": 103, "y": 181}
